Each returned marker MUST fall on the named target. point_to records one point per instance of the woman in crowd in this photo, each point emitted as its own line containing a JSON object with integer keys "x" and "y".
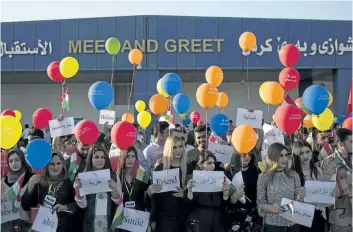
{"x": 206, "y": 210}
{"x": 99, "y": 209}
{"x": 168, "y": 211}
{"x": 304, "y": 165}
{"x": 276, "y": 183}
{"x": 18, "y": 170}
{"x": 243, "y": 216}
{"x": 54, "y": 184}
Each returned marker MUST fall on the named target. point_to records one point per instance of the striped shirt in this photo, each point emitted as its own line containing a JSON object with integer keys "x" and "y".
{"x": 282, "y": 186}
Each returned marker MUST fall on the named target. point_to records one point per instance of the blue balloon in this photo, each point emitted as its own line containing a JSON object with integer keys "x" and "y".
{"x": 350, "y": 115}
{"x": 181, "y": 103}
{"x": 171, "y": 83}
{"x": 219, "y": 124}
{"x": 316, "y": 99}
{"x": 186, "y": 121}
{"x": 100, "y": 95}
{"x": 38, "y": 153}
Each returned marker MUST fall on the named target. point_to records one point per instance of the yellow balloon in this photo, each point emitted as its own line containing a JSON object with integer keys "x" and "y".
{"x": 323, "y": 121}
{"x": 144, "y": 119}
{"x": 140, "y": 106}
{"x": 69, "y": 67}
{"x": 159, "y": 88}
{"x": 330, "y": 99}
{"x": 18, "y": 114}
{"x": 11, "y": 131}
{"x": 261, "y": 92}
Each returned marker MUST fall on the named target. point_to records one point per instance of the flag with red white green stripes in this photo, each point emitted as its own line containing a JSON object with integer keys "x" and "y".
{"x": 74, "y": 163}
{"x": 14, "y": 194}
{"x": 140, "y": 173}
{"x": 64, "y": 99}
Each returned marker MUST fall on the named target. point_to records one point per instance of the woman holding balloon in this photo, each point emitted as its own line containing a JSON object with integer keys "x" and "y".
{"x": 18, "y": 172}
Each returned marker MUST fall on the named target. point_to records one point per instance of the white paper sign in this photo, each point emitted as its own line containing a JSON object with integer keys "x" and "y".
{"x": 319, "y": 192}
{"x": 7, "y": 214}
{"x": 114, "y": 151}
{"x": 46, "y": 221}
{"x": 223, "y": 153}
{"x": 253, "y": 119}
{"x": 135, "y": 220}
{"x": 271, "y": 135}
{"x": 238, "y": 181}
{"x": 61, "y": 128}
{"x": 169, "y": 179}
{"x": 94, "y": 182}
{"x": 303, "y": 213}
{"x": 208, "y": 181}
{"x": 106, "y": 116}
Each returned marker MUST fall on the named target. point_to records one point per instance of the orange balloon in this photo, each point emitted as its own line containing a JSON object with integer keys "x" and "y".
{"x": 222, "y": 101}
{"x": 247, "y": 41}
{"x": 273, "y": 93}
{"x": 158, "y": 104}
{"x": 330, "y": 99}
{"x": 214, "y": 75}
{"x": 207, "y": 95}
{"x": 307, "y": 121}
{"x": 244, "y": 138}
{"x": 135, "y": 56}
{"x": 128, "y": 117}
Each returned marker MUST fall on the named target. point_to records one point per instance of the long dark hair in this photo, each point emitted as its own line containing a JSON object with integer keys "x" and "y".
{"x": 122, "y": 159}
{"x": 297, "y": 148}
{"x": 204, "y": 157}
{"x": 94, "y": 149}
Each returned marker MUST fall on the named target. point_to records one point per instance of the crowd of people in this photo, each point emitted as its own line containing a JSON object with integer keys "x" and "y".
{"x": 288, "y": 167}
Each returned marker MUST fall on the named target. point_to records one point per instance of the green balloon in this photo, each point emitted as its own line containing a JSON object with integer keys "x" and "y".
{"x": 112, "y": 45}
{"x": 303, "y": 107}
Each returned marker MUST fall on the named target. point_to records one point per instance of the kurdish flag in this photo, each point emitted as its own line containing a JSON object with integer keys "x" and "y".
{"x": 64, "y": 99}
{"x": 140, "y": 173}
{"x": 74, "y": 163}
{"x": 325, "y": 152}
{"x": 15, "y": 195}
{"x": 119, "y": 214}
{"x": 232, "y": 188}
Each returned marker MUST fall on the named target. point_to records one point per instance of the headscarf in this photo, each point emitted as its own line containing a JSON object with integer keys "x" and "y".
{"x": 12, "y": 176}
{"x": 46, "y": 178}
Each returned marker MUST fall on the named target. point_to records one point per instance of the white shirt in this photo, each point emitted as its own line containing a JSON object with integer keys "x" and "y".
{"x": 152, "y": 152}
{"x": 25, "y": 133}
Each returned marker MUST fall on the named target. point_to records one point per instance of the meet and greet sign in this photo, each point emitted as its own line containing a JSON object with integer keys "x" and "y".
{"x": 170, "y": 50}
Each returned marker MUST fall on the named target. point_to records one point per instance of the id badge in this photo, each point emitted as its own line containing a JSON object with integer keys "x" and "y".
{"x": 130, "y": 204}
{"x": 49, "y": 201}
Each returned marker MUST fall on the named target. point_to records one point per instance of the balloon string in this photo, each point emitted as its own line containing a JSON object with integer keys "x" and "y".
{"x": 247, "y": 78}
{"x": 170, "y": 111}
{"x": 132, "y": 86}
{"x": 206, "y": 134}
{"x": 112, "y": 77}
{"x": 268, "y": 113}
{"x": 62, "y": 98}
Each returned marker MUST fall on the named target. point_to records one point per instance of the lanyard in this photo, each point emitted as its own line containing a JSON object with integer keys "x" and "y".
{"x": 127, "y": 188}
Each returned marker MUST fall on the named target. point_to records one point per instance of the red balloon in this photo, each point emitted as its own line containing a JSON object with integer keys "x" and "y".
{"x": 199, "y": 123}
{"x": 54, "y": 73}
{"x": 288, "y": 118}
{"x": 289, "y": 55}
{"x": 38, "y": 172}
{"x": 289, "y": 78}
{"x": 297, "y": 102}
{"x": 123, "y": 134}
{"x": 195, "y": 117}
{"x": 86, "y": 132}
{"x": 41, "y": 118}
{"x": 9, "y": 113}
{"x": 347, "y": 123}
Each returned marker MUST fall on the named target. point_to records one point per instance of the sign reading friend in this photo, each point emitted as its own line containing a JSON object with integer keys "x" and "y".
{"x": 106, "y": 116}
{"x": 223, "y": 153}
{"x": 168, "y": 179}
{"x": 135, "y": 220}
{"x": 46, "y": 220}
{"x": 303, "y": 213}
{"x": 94, "y": 182}
{"x": 208, "y": 181}
{"x": 7, "y": 214}
{"x": 253, "y": 119}
{"x": 61, "y": 127}
{"x": 319, "y": 192}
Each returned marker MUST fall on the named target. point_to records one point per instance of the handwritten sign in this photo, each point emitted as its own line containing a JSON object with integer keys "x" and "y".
{"x": 223, "y": 153}
{"x": 45, "y": 221}
{"x": 61, "y": 128}
{"x": 271, "y": 135}
{"x": 238, "y": 181}
{"x": 169, "y": 179}
{"x": 106, "y": 116}
{"x": 7, "y": 214}
{"x": 328, "y": 47}
{"x": 208, "y": 181}
{"x": 94, "y": 182}
{"x": 253, "y": 119}
{"x": 303, "y": 213}
{"x": 135, "y": 220}
{"x": 319, "y": 192}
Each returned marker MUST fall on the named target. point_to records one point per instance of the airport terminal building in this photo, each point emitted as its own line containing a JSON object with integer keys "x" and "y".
{"x": 184, "y": 45}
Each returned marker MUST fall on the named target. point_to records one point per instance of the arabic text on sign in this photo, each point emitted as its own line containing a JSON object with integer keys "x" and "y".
{"x": 20, "y": 48}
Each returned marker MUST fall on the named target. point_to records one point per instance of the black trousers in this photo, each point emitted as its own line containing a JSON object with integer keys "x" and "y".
{"x": 269, "y": 228}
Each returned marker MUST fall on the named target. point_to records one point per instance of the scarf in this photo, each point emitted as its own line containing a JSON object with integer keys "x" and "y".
{"x": 340, "y": 164}
{"x": 12, "y": 177}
